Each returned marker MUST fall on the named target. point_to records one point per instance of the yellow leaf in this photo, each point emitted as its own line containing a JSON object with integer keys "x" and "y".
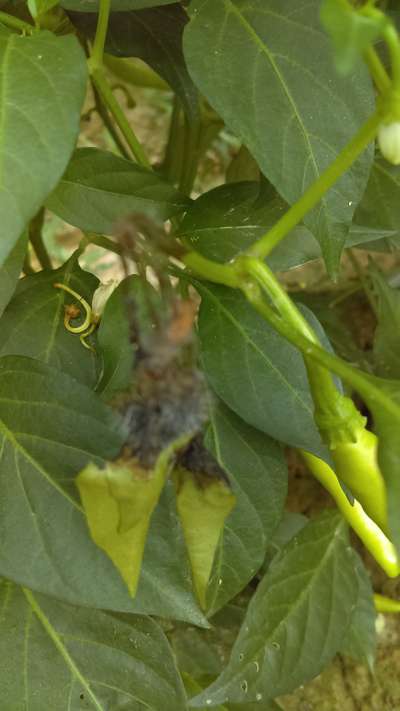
{"x": 203, "y": 504}
{"x": 118, "y": 502}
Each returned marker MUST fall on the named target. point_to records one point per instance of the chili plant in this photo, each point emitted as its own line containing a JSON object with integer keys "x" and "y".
{"x": 150, "y": 557}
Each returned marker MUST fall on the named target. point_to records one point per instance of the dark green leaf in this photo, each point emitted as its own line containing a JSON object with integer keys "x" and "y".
{"x": 285, "y": 102}
{"x": 99, "y": 188}
{"x": 114, "y": 345}
{"x": 290, "y": 525}
{"x": 43, "y": 87}
{"x": 227, "y": 220}
{"x": 51, "y": 427}
{"x": 387, "y": 334}
{"x": 296, "y": 619}
{"x": 254, "y": 370}
{"x": 258, "y": 474}
{"x": 11, "y": 270}
{"x": 55, "y": 656}
{"x": 360, "y": 639}
{"x": 378, "y": 214}
{"x": 351, "y": 31}
{"x": 154, "y": 35}
{"x": 116, "y": 5}
{"x": 33, "y": 323}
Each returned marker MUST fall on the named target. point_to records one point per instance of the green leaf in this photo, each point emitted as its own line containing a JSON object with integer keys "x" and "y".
{"x": 258, "y": 473}
{"x": 254, "y": 370}
{"x": 351, "y": 31}
{"x": 203, "y": 505}
{"x": 43, "y": 88}
{"x": 378, "y": 214}
{"x": 285, "y": 102}
{"x": 290, "y": 525}
{"x": 387, "y": 334}
{"x": 33, "y": 322}
{"x": 116, "y": 5}
{"x": 98, "y": 189}
{"x": 51, "y": 427}
{"x": 55, "y": 656}
{"x": 225, "y": 221}
{"x": 114, "y": 345}
{"x": 296, "y": 619}
{"x": 10, "y": 271}
{"x": 155, "y": 36}
{"x": 360, "y": 639}
{"x": 40, "y": 7}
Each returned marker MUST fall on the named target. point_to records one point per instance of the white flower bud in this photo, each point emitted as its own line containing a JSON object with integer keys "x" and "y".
{"x": 389, "y": 141}
{"x": 101, "y": 296}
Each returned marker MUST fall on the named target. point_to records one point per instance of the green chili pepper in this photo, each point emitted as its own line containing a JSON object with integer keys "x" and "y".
{"x": 368, "y": 531}
{"x": 385, "y": 604}
{"x": 356, "y": 464}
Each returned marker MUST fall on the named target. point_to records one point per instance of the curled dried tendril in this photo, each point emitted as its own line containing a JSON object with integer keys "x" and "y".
{"x": 72, "y": 311}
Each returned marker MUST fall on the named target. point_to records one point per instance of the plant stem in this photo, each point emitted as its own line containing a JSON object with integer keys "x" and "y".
{"x": 115, "y": 109}
{"x": 392, "y": 40}
{"x": 104, "y": 243}
{"x": 174, "y": 150}
{"x": 36, "y": 239}
{"x": 218, "y": 273}
{"x": 377, "y": 70}
{"x": 15, "y": 23}
{"x": 358, "y": 380}
{"x": 96, "y": 56}
{"x": 104, "y": 115}
{"x": 317, "y": 190}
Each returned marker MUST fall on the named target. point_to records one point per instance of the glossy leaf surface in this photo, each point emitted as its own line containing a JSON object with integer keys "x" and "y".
{"x": 286, "y": 103}
{"x": 287, "y": 636}
{"x": 225, "y": 221}
{"x": 253, "y": 370}
{"x": 55, "y": 656}
{"x": 99, "y": 189}
{"x": 33, "y": 323}
{"x": 43, "y": 88}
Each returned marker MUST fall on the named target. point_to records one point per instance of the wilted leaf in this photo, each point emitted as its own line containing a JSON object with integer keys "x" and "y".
{"x": 296, "y": 619}
{"x": 203, "y": 505}
{"x": 51, "y": 427}
{"x": 285, "y": 102}
{"x": 43, "y": 88}
{"x": 98, "y": 189}
{"x": 118, "y": 500}
{"x": 55, "y": 656}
